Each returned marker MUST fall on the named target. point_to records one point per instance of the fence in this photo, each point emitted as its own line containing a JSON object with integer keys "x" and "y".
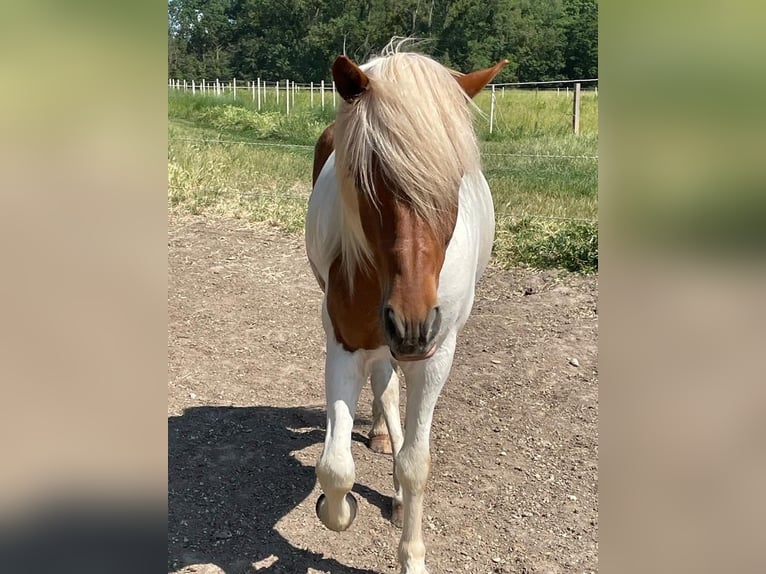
{"x": 258, "y": 89}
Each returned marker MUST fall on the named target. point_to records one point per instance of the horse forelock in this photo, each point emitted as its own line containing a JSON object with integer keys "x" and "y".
{"x": 414, "y": 126}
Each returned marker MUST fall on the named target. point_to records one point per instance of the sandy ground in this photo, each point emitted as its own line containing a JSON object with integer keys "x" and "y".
{"x": 514, "y": 480}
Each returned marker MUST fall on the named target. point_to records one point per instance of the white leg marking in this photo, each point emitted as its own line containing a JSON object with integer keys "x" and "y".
{"x": 424, "y": 380}
{"x": 344, "y": 377}
{"x": 385, "y": 388}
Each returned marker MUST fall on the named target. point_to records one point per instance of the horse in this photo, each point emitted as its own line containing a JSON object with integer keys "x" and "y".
{"x": 399, "y": 230}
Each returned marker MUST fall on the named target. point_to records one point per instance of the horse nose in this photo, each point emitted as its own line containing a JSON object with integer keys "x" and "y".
{"x": 411, "y": 340}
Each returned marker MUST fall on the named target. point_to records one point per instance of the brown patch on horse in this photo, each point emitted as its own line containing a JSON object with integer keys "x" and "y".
{"x": 354, "y": 313}
{"x": 474, "y": 82}
{"x": 410, "y": 254}
{"x": 323, "y": 150}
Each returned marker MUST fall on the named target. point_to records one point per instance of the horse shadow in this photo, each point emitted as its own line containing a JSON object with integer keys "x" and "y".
{"x": 232, "y": 477}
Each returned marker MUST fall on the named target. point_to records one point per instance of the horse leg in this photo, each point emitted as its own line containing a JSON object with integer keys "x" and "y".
{"x": 385, "y": 396}
{"x": 344, "y": 378}
{"x": 425, "y": 380}
{"x": 385, "y": 389}
{"x": 380, "y": 442}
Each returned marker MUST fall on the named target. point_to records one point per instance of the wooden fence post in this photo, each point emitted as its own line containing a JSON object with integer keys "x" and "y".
{"x": 492, "y": 110}
{"x": 322, "y": 91}
{"x": 259, "y": 94}
{"x": 333, "y": 93}
{"x": 276, "y": 89}
{"x": 576, "y": 109}
{"x": 234, "y": 82}
{"x": 287, "y": 95}
{"x": 312, "y": 94}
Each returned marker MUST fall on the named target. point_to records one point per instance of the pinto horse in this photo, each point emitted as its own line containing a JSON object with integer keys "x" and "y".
{"x": 399, "y": 229}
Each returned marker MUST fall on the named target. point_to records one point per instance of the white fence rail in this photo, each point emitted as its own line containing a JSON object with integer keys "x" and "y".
{"x": 259, "y": 90}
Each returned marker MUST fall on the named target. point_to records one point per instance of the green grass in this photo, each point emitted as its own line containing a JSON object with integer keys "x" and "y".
{"x": 545, "y": 206}
{"x": 270, "y": 184}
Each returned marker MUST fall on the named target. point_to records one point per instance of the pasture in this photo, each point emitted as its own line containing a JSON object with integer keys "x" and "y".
{"x": 514, "y": 481}
{"x": 226, "y": 157}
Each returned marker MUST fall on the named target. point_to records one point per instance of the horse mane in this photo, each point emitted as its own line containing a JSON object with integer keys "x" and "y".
{"x": 414, "y": 124}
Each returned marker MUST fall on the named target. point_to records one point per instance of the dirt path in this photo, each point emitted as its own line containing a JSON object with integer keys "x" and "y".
{"x": 515, "y": 446}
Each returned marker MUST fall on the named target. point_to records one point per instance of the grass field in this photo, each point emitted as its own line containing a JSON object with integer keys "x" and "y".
{"x": 226, "y": 157}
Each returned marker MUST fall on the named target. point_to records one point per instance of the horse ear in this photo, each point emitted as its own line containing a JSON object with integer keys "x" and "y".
{"x": 350, "y": 81}
{"x": 474, "y": 82}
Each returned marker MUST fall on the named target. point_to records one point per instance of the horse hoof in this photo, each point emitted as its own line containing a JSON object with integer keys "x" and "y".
{"x": 321, "y": 510}
{"x": 381, "y": 444}
{"x": 396, "y": 513}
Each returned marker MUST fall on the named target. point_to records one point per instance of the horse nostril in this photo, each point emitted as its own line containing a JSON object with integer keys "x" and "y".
{"x": 432, "y": 324}
{"x": 392, "y": 325}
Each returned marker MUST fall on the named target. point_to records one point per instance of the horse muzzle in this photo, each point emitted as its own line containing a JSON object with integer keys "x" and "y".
{"x": 411, "y": 340}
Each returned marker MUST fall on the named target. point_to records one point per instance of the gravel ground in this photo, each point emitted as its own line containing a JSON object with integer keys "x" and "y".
{"x": 514, "y": 485}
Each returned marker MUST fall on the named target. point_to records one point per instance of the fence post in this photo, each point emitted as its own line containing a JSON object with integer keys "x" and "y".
{"x": 259, "y": 94}
{"x": 295, "y": 92}
{"x": 492, "y": 110}
{"x": 276, "y": 89}
{"x": 194, "y": 89}
{"x": 576, "y": 109}
{"x": 312, "y": 94}
{"x": 287, "y": 95}
{"x": 234, "y": 81}
{"x": 322, "y": 91}
{"x": 252, "y": 87}
{"x": 333, "y": 93}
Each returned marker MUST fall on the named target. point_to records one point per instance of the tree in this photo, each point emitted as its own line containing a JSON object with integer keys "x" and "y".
{"x": 581, "y": 32}
{"x": 298, "y": 39}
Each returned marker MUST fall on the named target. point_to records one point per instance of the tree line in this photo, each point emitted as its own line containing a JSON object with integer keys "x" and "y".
{"x": 299, "y": 39}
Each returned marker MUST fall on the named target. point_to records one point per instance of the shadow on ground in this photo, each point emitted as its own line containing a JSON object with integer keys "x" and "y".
{"x": 232, "y": 477}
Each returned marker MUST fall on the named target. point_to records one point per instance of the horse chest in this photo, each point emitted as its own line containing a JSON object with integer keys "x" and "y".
{"x": 354, "y": 314}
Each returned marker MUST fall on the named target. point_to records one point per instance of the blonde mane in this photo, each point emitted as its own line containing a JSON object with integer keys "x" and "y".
{"x": 415, "y": 125}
